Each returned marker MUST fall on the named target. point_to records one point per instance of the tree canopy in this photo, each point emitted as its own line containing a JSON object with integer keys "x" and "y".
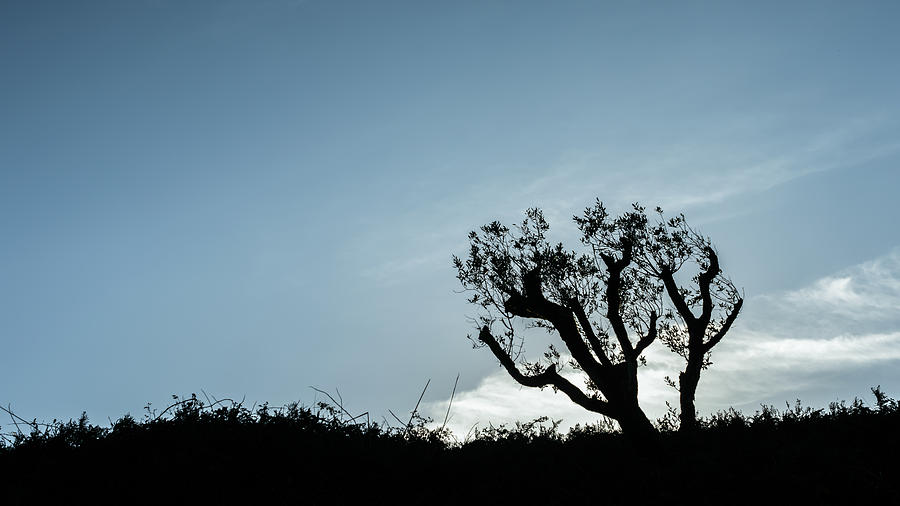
{"x": 607, "y": 302}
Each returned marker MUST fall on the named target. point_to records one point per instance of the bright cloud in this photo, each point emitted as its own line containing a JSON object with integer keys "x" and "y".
{"x": 831, "y": 291}
{"x": 864, "y": 298}
{"x": 870, "y": 290}
{"x": 499, "y": 399}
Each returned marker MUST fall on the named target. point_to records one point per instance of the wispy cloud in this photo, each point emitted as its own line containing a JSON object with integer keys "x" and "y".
{"x": 864, "y": 298}
{"x": 399, "y": 269}
{"x": 682, "y": 176}
{"x": 869, "y": 291}
{"x": 711, "y": 167}
{"x": 719, "y": 166}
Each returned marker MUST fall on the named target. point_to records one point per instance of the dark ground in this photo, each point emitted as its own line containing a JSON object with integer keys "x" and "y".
{"x": 838, "y": 455}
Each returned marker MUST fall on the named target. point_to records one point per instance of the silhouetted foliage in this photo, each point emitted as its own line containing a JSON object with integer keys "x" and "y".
{"x": 517, "y": 273}
{"x": 607, "y": 304}
{"x": 697, "y": 315}
{"x": 227, "y": 453}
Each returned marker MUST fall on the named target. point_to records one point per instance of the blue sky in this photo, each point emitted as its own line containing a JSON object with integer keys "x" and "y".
{"x": 254, "y": 197}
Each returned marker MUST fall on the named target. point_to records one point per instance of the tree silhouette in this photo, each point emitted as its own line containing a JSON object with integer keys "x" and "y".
{"x": 699, "y": 314}
{"x": 607, "y": 305}
{"x": 518, "y": 273}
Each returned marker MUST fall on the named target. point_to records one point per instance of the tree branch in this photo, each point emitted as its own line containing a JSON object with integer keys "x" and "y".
{"x": 614, "y": 301}
{"x": 588, "y": 330}
{"x": 729, "y": 320}
{"x": 678, "y": 301}
{"x": 547, "y": 378}
{"x": 705, "y": 280}
{"x": 533, "y": 304}
{"x": 650, "y": 337}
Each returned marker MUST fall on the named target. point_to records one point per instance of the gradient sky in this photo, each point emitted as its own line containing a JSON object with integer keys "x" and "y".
{"x": 251, "y": 198}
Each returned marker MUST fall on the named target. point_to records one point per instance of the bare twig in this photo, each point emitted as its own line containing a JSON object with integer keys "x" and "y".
{"x": 334, "y": 401}
{"x": 339, "y": 402}
{"x": 415, "y": 409}
{"x": 447, "y": 416}
{"x": 396, "y": 417}
{"x": 13, "y": 417}
{"x": 470, "y": 432}
{"x": 192, "y": 399}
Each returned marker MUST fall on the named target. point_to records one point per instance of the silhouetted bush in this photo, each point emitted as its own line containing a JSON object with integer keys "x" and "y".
{"x": 225, "y": 452}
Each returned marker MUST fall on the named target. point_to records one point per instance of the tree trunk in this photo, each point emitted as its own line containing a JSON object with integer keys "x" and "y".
{"x": 638, "y": 428}
{"x": 687, "y": 383}
{"x": 622, "y": 391}
{"x": 636, "y": 424}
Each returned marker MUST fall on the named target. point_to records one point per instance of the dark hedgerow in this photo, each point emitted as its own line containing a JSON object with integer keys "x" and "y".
{"x": 224, "y": 452}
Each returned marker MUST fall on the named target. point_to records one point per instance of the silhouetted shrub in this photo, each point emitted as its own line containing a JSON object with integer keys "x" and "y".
{"x": 226, "y": 452}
